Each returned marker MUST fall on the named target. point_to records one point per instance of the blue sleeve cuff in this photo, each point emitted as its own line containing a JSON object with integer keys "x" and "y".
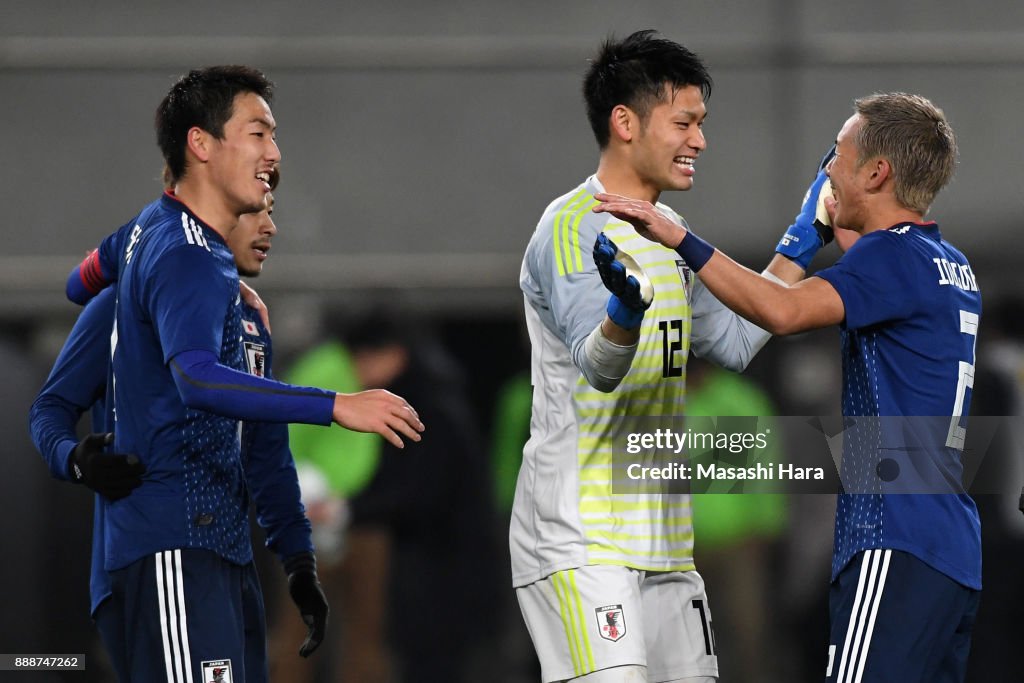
{"x": 60, "y": 465}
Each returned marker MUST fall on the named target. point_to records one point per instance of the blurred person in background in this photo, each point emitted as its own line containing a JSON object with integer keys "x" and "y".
{"x": 737, "y": 534}
{"x": 417, "y": 579}
{"x": 335, "y": 464}
{"x": 433, "y": 502}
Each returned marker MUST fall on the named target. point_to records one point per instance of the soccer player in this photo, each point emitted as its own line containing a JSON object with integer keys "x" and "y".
{"x": 79, "y": 379}
{"x": 606, "y": 580}
{"x": 180, "y": 385}
{"x": 906, "y": 569}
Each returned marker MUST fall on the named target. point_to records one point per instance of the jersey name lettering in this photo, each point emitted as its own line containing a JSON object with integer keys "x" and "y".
{"x": 132, "y": 241}
{"x": 956, "y": 274}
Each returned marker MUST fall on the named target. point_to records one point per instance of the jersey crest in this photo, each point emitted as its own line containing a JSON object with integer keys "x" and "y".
{"x": 611, "y": 622}
{"x": 217, "y": 671}
{"x": 255, "y": 358}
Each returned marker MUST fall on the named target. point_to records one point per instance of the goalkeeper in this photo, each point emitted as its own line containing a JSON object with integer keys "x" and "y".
{"x": 606, "y": 583}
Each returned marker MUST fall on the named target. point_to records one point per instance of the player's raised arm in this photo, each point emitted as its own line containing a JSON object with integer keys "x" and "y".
{"x": 779, "y": 309}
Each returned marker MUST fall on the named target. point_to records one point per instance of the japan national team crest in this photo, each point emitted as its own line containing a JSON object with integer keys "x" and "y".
{"x": 250, "y": 327}
{"x": 611, "y": 622}
{"x": 217, "y": 671}
{"x": 255, "y": 358}
{"x": 686, "y": 275}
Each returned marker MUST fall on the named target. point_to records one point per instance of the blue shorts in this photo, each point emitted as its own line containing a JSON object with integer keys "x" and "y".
{"x": 185, "y": 616}
{"x": 895, "y": 618}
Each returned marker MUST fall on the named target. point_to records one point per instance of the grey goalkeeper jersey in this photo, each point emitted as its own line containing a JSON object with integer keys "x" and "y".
{"x": 565, "y": 514}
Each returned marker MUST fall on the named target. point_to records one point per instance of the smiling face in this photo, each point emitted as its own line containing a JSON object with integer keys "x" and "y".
{"x": 846, "y": 174}
{"x": 242, "y": 160}
{"x": 251, "y": 238}
{"x": 669, "y": 140}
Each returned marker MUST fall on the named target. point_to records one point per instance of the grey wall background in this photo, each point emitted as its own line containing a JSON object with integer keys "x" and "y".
{"x": 422, "y": 140}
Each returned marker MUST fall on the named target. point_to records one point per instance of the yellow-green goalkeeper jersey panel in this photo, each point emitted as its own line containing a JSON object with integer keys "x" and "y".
{"x": 565, "y": 513}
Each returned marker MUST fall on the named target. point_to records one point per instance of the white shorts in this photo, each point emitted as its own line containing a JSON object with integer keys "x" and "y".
{"x": 597, "y": 617}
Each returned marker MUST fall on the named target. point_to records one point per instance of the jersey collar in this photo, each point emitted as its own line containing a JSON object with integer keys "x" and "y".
{"x": 929, "y": 229}
{"x": 172, "y": 202}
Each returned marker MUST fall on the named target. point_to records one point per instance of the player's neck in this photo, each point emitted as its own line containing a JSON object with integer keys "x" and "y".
{"x": 206, "y": 204}
{"x": 619, "y": 177}
{"x": 889, "y": 216}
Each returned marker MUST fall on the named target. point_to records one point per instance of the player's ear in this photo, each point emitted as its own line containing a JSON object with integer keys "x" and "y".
{"x": 624, "y": 123}
{"x": 198, "y": 141}
{"x": 881, "y": 170}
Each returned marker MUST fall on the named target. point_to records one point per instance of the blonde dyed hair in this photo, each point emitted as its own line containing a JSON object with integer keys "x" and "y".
{"x": 917, "y": 140}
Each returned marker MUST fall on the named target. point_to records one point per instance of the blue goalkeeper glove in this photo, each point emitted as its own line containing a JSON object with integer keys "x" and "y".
{"x": 810, "y": 230}
{"x": 622, "y": 277}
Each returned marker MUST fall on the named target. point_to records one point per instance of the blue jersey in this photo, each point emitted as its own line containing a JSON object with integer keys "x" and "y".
{"x": 270, "y": 474}
{"x": 100, "y": 268}
{"x": 79, "y": 380}
{"x": 912, "y": 311}
{"x": 178, "y": 294}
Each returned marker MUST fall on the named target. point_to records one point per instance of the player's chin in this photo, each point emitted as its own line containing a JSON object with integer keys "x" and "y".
{"x": 681, "y": 183}
{"x": 250, "y": 269}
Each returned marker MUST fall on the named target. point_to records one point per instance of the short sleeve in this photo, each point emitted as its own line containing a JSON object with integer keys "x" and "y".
{"x": 873, "y": 279}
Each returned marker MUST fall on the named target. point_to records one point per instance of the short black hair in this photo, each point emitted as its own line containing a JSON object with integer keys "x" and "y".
{"x": 203, "y": 98}
{"x": 634, "y": 72}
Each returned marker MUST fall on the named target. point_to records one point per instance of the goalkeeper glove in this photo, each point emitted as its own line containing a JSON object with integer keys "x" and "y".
{"x": 632, "y": 292}
{"x": 112, "y": 475}
{"x": 810, "y": 230}
{"x": 308, "y": 596}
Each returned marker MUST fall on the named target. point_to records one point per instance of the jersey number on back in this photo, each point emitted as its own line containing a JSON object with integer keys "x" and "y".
{"x": 965, "y": 381}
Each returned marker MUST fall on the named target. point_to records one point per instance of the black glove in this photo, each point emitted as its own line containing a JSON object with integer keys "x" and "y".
{"x": 308, "y": 596}
{"x": 112, "y": 475}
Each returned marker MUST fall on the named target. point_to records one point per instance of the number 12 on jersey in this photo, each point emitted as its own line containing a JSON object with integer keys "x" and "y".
{"x": 671, "y": 345}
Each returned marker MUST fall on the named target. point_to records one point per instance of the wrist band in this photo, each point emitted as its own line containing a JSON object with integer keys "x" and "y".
{"x": 695, "y": 251}
{"x": 622, "y": 315}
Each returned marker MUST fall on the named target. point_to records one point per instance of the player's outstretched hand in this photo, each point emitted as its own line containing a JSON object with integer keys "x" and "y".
{"x": 378, "y": 411}
{"x": 812, "y": 227}
{"x": 307, "y": 594}
{"x": 643, "y": 216}
{"x": 253, "y": 299}
{"x": 112, "y": 475}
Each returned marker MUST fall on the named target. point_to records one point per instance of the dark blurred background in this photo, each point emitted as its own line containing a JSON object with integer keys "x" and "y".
{"x": 421, "y": 142}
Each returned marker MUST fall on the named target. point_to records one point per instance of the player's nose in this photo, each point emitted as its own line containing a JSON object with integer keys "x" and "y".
{"x": 698, "y": 141}
{"x": 272, "y": 152}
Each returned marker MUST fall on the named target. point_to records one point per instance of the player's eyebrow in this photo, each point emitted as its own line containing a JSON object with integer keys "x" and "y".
{"x": 266, "y": 123}
{"x": 690, "y": 114}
